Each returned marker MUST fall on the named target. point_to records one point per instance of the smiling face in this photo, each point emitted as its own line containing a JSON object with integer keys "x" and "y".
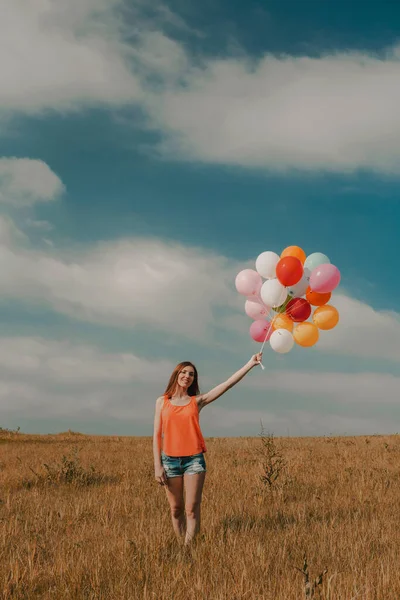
{"x": 183, "y": 378}
{"x": 186, "y": 377}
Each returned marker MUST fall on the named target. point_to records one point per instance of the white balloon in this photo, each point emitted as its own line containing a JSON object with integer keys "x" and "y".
{"x": 300, "y": 288}
{"x": 273, "y": 293}
{"x": 266, "y": 264}
{"x": 281, "y": 341}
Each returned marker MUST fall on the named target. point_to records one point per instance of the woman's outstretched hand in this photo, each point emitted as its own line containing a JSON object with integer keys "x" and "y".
{"x": 255, "y": 359}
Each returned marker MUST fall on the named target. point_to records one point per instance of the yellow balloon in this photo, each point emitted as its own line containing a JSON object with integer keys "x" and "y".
{"x": 326, "y": 317}
{"x": 306, "y": 334}
{"x": 282, "y": 321}
{"x": 295, "y": 251}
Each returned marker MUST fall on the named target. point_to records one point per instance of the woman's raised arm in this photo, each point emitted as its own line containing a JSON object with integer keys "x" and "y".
{"x": 220, "y": 389}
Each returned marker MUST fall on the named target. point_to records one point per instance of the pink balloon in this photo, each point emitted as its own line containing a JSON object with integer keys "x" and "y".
{"x": 255, "y": 310}
{"x": 256, "y": 299}
{"x": 324, "y": 279}
{"x": 248, "y": 282}
{"x": 261, "y": 330}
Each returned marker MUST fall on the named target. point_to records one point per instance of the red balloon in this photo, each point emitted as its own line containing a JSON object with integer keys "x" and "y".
{"x": 289, "y": 270}
{"x": 298, "y": 309}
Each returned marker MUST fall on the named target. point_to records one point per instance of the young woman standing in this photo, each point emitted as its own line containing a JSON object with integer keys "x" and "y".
{"x": 178, "y": 443}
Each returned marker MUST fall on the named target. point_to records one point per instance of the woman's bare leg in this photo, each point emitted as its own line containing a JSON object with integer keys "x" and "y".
{"x": 174, "y": 490}
{"x": 194, "y": 488}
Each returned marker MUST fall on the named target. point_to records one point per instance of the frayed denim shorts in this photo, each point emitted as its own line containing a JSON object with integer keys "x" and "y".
{"x": 177, "y": 466}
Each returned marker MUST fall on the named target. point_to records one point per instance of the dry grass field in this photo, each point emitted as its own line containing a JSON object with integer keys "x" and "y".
{"x": 81, "y": 517}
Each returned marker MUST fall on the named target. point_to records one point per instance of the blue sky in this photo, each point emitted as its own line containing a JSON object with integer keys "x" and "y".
{"x": 150, "y": 151}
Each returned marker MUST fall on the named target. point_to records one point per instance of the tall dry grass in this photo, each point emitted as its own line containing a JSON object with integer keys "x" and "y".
{"x": 94, "y": 524}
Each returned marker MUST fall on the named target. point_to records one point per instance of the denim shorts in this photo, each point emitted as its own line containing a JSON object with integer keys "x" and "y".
{"x": 177, "y": 466}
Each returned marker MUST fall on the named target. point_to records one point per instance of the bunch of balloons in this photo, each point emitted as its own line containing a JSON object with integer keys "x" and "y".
{"x": 291, "y": 305}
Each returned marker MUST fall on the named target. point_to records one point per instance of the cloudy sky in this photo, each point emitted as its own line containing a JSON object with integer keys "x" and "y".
{"x": 151, "y": 150}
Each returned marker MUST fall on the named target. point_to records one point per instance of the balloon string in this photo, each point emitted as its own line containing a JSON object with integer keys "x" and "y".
{"x": 263, "y": 344}
{"x": 285, "y": 312}
{"x": 268, "y": 330}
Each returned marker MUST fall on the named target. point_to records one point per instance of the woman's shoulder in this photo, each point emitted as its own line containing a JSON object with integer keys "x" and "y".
{"x": 160, "y": 400}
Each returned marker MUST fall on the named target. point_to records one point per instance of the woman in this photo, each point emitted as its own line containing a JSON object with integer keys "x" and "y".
{"x": 178, "y": 443}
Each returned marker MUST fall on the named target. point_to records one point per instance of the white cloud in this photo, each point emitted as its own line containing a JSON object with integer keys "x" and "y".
{"x": 158, "y": 54}
{"x": 353, "y": 399}
{"x": 66, "y": 382}
{"x": 363, "y": 331}
{"x": 24, "y": 181}
{"x": 68, "y": 56}
{"x": 44, "y": 378}
{"x": 38, "y": 225}
{"x": 142, "y": 282}
{"x": 10, "y": 235}
{"x": 63, "y": 56}
{"x": 221, "y": 421}
{"x": 337, "y": 113}
{"x": 67, "y": 363}
{"x": 361, "y": 388}
{"x": 167, "y": 287}
{"x": 127, "y": 283}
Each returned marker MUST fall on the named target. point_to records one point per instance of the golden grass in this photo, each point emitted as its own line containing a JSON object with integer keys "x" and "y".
{"x": 96, "y": 525}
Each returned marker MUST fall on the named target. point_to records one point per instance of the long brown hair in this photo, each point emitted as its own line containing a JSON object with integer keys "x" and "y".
{"x": 193, "y": 390}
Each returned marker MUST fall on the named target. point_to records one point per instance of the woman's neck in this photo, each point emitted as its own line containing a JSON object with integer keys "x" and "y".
{"x": 180, "y": 393}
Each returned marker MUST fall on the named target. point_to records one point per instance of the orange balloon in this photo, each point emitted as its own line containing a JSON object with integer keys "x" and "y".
{"x": 295, "y": 251}
{"x": 326, "y": 317}
{"x": 317, "y": 299}
{"x": 282, "y": 321}
{"x": 306, "y": 334}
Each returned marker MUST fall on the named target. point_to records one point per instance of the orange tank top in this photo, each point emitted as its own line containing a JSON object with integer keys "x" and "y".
{"x": 181, "y": 429}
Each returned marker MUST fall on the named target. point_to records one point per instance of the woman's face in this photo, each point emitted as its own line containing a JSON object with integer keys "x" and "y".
{"x": 186, "y": 377}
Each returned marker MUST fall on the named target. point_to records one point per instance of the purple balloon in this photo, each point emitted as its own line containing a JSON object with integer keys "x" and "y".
{"x": 325, "y": 278}
{"x": 261, "y": 330}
